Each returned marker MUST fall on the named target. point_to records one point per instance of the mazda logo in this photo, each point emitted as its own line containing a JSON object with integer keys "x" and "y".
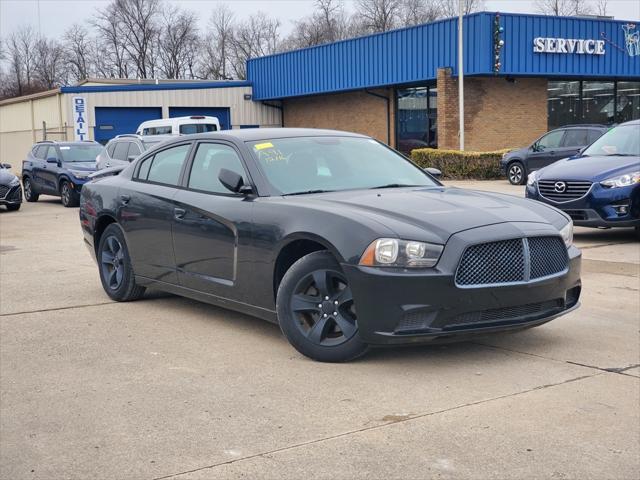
{"x": 560, "y": 187}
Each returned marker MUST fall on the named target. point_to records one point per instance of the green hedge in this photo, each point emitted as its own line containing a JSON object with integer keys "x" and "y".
{"x": 457, "y": 165}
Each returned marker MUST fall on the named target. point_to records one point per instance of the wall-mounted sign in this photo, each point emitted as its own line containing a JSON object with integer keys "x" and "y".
{"x": 568, "y": 46}
{"x": 80, "y": 124}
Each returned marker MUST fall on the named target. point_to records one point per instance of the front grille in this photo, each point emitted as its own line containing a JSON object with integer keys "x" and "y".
{"x": 511, "y": 261}
{"x": 4, "y": 190}
{"x": 560, "y": 191}
{"x": 15, "y": 195}
{"x": 515, "y": 313}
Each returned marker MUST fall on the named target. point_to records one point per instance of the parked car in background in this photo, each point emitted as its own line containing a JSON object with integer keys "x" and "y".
{"x": 601, "y": 186}
{"x": 10, "y": 190}
{"x": 338, "y": 238}
{"x": 179, "y": 126}
{"x": 60, "y": 169}
{"x": 552, "y": 146}
{"x": 125, "y": 148}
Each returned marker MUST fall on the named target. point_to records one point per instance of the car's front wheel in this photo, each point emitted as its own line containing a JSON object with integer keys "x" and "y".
{"x": 116, "y": 273}
{"x": 29, "y": 194}
{"x": 516, "y": 173}
{"x": 69, "y": 196}
{"x": 316, "y": 310}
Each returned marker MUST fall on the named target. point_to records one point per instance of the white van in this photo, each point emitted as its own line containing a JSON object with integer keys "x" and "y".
{"x": 179, "y": 126}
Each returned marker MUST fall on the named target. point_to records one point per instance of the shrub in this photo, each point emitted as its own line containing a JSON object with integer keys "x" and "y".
{"x": 456, "y": 165}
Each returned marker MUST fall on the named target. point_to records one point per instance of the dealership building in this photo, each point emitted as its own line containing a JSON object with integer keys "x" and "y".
{"x": 523, "y": 75}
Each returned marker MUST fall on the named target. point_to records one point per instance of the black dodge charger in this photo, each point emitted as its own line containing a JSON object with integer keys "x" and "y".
{"x": 340, "y": 240}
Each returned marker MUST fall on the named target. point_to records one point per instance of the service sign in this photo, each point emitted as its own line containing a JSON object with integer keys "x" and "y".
{"x": 568, "y": 46}
{"x": 80, "y": 123}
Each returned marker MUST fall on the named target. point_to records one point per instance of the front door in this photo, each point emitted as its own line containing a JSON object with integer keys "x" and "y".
{"x": 546, "y": 150}
{"x": 146, "y": 213}
{"x": 212, "y": 226}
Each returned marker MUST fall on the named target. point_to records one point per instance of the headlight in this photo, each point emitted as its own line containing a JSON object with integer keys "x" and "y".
{"x": 14, "y": 181}
{"x": 622, "y": 180}
{"x": 79, "y": 173}
{"x": 531, "y": 179}
{"x": 391, "y": 252}
{"x": 567, "y": 234}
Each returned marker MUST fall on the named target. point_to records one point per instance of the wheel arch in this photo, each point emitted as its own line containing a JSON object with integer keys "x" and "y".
{"x": 102, "y": 222}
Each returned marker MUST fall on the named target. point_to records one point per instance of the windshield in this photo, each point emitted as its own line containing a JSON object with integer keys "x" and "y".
{"x": 312, "y": 164}
{"x": 623, "y": 140}
{"x": 80, "y": 153}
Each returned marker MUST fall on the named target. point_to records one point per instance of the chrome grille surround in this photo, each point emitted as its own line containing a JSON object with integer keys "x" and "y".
{"x": 509, "y": 262}
{"x": 573, "y": 190}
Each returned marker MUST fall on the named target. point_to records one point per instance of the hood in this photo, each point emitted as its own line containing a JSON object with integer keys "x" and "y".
{"x": 81, "y": 166}
{"x": 593, "y": 169}
{"x": 516, "y": 153}
{"x": 433, "y": 214}
{"x": 6, "y": 176}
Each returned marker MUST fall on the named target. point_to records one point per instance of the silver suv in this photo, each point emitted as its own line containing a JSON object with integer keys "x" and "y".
{"x": 125, "y": 148}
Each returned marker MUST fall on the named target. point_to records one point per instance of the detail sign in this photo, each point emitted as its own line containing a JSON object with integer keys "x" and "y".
{"x": 80, "y": 124}
{"x": 568, "y": 46}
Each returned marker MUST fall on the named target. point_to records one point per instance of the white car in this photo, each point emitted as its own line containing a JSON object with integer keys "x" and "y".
{"x": 179, "y": 126}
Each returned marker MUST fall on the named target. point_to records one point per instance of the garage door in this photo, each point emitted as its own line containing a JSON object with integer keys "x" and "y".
{"x": 222, "y": 114}
{"x": 112, "y": 121}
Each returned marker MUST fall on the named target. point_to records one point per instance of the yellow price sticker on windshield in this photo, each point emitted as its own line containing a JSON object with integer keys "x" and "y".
{"x": 262, "y": 146}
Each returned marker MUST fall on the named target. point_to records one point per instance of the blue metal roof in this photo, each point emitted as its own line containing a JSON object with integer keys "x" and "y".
{"x": 153, "y": 86}
{"x": 412, "y": 55}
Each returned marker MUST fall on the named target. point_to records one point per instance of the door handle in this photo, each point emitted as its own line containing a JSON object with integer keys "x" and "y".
{"x": 179, "y": 213}
{"x": 125, "y": 199}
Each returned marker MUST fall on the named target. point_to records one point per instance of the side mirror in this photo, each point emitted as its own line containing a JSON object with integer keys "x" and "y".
{"x": 233, "y": 181}
{"x": 52, "y": 160}
{"x": 434, "y": 172}
{"x": 6, "y": 165}
{"x": 131, "y": 158}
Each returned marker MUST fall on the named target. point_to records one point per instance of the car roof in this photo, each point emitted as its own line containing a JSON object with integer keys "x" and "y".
{"x": 584, "y": 125}
{"x": 256, "y": 134}
{"x": 632, "y": 122}
{"x": 66, "y": 143}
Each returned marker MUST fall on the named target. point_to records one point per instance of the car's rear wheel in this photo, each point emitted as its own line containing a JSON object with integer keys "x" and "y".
{"x": 116, "y": 273}
{"x": 316, "y": 310}
{"x": 69, "y": 196}
{"x": 29, "y": 194}
{"x": 516, "y": 173}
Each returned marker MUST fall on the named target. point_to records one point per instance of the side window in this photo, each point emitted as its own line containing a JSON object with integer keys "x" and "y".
{"x": 576, "y": 137}
{"x": 550, "y": 140}
{"x": 188, "y": 129}
{"x": 52, "y": 153}
{"x": 166, "y": 165}
{"x": 208, "y": 161}
{"x": 594, "y": 135}
{"x": 40, "y": 151}
{"x": 111, "y": 147}
{"x": 120, "y": 152}
{"x": 164, "y": 130}
{"x": 134, "y": 150}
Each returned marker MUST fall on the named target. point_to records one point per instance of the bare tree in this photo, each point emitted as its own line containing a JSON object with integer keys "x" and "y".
{"x": 50, "y": 63}
{"x": 602, "y": 7}
{"x": 216, "y": 60}
{"x": 21, "y": 53}
{"x": 416, "y": 12}
{"x": 451, "y": 8}
{"x": 563, "y": 8}
{"x": 78, "y": 51}
{"x": 178, "y": 42}
{"x": 257, "y": 36}
{"x": 377, "y": 15}
{"x": 110, "y": 44}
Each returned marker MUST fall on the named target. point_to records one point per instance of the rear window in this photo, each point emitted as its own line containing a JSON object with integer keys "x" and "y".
{"x": 163, "y": 130}
{"x": 191, "y": 128}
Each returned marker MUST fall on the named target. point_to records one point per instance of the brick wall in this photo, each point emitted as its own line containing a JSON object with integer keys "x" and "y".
{"x": 498, "y": 113}
{"x": 352, "y": 111}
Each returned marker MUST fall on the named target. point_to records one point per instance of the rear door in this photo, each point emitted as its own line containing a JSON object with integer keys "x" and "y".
{"x": 546, "y": 150}
{"x": 212, "y": 226}
{"x": 37, "y": 164}
{"x": 49, "y": 172}
{"x": 147, "y": 210}
{"x": 120, "y": 153}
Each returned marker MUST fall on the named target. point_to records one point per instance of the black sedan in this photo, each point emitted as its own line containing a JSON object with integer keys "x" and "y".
{"x": 337, "y": 238}
{"x": 10, "y": 189}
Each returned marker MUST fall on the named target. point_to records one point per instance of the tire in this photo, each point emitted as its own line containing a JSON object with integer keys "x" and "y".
{"x": 68, "y": 195}
{"x": 637, "y": 233}
{"x": 316, "y": 310}
{"x": 13, "y": 207}
{"x": 516, "y": 173}
{"x": 114, "y": 264}
{"x": 29, "y": 194}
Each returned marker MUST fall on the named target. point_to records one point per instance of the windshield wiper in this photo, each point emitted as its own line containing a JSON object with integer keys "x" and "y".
{"x": 620, "y": 155}
{"x": 396, "y": 185}
{"x": 305, "y": 192}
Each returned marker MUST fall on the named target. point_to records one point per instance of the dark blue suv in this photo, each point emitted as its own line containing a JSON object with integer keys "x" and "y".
{"x": 599, "y": 187}
{"x": 60, "y": 169}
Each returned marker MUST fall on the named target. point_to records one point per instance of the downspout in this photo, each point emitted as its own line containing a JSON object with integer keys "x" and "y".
{"x": 278, "y": 107}
{"x": 388, "y": 100}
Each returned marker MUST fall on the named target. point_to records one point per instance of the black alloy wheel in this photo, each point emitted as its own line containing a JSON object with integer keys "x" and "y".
{"x": 68, "y": 195}
{"x": 29, "y": 194}
{"x": 112, "y": 262}
{"x": 317, "y": 312}
{"x": 516, "y": 173}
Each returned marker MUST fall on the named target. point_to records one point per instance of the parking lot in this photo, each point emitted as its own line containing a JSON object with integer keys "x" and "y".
{"x": 167, "y": 387}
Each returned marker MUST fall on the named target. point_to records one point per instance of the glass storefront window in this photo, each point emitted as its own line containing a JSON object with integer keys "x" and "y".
{"x": 563, "y": 103}
{"x": 416, "y": 123}
{"x": 598, "y": 102}
{"x": 628, "y": 101}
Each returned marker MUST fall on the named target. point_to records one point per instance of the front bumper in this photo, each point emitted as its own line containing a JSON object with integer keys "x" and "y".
{"x": 399, "y": 306}
{"x": 13, "y": 196}
{"x": 600, "y": 207}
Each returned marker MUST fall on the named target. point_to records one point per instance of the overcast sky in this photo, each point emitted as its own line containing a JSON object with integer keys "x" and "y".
{"x": 57, "y": 15}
